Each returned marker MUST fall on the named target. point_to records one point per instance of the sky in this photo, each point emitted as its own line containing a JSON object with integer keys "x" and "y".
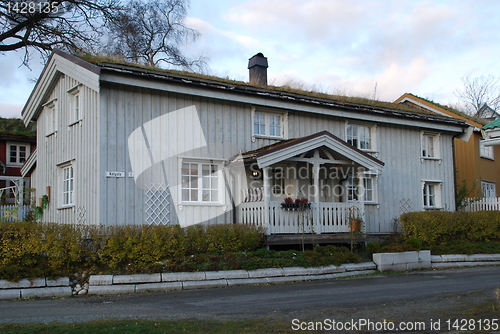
{"x": 377, "y": 49}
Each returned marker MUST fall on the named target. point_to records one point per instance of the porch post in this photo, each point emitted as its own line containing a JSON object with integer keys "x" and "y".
{"x": 316, "y": 220}
{"x": 267, "y": 198}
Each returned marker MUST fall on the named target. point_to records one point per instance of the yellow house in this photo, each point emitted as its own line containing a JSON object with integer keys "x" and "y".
{"x": 477, "y": 164}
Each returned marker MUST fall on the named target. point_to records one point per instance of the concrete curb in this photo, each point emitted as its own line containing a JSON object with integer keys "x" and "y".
{"x": 125, "y": 284}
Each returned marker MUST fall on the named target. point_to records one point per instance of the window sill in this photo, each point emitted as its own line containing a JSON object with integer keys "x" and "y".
{"x": 66, "y": 207}
{"x": 432, "y": 208}
{"x": 75, "y": 122}
{"x": 487, "y": 158}
{"x": 422, "y": 159}
{"x": 268, "y": 137}
{"x": 51, "y": 134}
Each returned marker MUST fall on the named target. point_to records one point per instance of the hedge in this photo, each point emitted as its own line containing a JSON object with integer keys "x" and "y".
{"x": 46, "y": 249}
{"x": 437, "y": 227}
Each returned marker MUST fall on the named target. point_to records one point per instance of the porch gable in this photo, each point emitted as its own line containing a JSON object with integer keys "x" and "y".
{"x": 289, "y": 149}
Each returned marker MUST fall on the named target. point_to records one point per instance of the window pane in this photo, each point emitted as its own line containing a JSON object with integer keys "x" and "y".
{"x": 185, "y": 195}
{"x": 13, "y": 158}
{"x": 205, "y": 197}
{"x": 205, "y": 169}
{"x": 259, "y": 122}
{"x": 274, "y": 125}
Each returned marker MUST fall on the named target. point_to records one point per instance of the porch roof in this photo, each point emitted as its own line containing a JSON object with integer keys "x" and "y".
{"x": 275, "y": 153}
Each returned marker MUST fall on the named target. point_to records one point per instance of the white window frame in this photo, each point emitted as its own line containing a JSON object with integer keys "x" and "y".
{"x": 51, "y": 118}
{"x": 372, "y": 128}
{"x": 75, "y": 105}
{"x": 200, "y": 185}
{"x": 368, "y": 177}
{"x": 488, "y": 189}
{"x": 67, "y": 184}
{"x": 269, "y": 117}
{"x": 424, "y": 147}
{"x": 432, "y": 189}
{"x": 17, "y": 163}
{"x": 486, "y": 152}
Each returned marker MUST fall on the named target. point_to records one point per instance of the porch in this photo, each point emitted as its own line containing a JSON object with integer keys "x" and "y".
{"x": 320, "y": 218}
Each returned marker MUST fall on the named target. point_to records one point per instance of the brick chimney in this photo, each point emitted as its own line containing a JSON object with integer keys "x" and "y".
{"x": 257, "y": 66}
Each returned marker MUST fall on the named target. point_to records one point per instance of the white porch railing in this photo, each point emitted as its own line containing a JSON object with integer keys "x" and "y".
{"x": 323, "y": 217}
{"x": 12, "y": 213}
{"x": 483, "y": 204}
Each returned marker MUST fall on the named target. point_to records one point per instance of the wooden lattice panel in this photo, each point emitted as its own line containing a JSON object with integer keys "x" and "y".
{"x": 157, "y": 204}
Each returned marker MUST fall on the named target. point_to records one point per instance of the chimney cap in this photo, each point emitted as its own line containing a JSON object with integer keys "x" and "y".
{"x": 258, "y": 60}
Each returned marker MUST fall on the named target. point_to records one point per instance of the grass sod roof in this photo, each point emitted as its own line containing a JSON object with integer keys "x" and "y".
{"x": 14, "y": 127}
{"x": 285, "y": 91}
{"x": 452, "y": 110}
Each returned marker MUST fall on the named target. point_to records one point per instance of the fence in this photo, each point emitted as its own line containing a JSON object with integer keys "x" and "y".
{"x": 12, "y": 213}
{"x": 483, "y": 204}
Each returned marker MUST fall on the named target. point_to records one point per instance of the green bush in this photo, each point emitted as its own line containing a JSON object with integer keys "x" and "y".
{"x": 373, "y": 247}
{"x": 45, "y": 249}
{"x": 415, "y": 243}
{"x": 438, "y": 227}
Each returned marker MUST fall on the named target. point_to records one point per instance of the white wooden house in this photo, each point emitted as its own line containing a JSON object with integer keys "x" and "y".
{"x": 121, "y": 144}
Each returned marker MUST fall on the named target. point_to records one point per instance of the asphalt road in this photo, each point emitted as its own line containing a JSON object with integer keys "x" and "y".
{"x": 401, "y": 297}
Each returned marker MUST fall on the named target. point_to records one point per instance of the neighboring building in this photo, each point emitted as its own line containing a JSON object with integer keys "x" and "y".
{"x": 476, "y": 162}
{"x": 492, "y": 133}
{"x": 16, "y": 144}
{"x": 487, "y": 113}
{"x": 122, "y": 144}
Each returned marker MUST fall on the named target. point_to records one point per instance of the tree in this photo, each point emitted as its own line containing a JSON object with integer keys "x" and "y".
{"x": 73, "y": 25}
{"x": 82, "y": 25}
{"x": 479, "y": 91}
{"x": 149, "y": 33}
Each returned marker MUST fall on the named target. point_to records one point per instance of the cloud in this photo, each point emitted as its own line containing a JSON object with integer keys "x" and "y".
{"x": 10, "y": 110}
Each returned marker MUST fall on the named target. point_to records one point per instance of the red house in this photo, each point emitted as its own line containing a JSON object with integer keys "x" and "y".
{"x": 17, "y": 143}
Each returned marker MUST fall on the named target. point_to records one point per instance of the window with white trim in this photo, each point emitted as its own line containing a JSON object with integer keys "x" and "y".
{"x": 17, "y": 153}
{"x": 361, "y": 136}
{"x": 268, "y": 124}
{"x": 200, "y": 182}
{"x": 68, "y": 185}
{"x": 75, "y": 105}
{"x": 431, "y": 192}
{"x": 486, "y": 151}
{"x": 489, "y": 189}
{"x": 369, "y": 188}
{"x": 430, "y": 145}
{"x": 51, "y": 118}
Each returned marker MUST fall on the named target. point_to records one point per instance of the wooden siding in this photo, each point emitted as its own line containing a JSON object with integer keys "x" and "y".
{"x": 227, "y": 126}
{"x": 470, "y": 166}
{"x": 473, "y": 168}
{"x": 77, "y": 143}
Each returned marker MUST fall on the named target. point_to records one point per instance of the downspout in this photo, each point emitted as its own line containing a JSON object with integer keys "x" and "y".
{"x": 230, "y": 191}
{"x": 454, "y": 169}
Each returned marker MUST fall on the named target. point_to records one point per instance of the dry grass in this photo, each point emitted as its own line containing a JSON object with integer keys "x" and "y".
{"x": 292, "y": 87}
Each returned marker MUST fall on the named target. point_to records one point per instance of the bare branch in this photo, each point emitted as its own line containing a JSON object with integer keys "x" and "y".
{"x": 478, "y": 92}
